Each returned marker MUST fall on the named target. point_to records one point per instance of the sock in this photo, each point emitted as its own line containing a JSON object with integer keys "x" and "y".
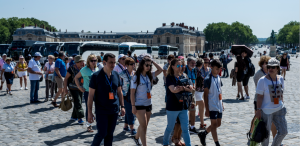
{"x": 217, "y": 143}
{"x": 192, "y": 127}
{"x": 205, "y": 132}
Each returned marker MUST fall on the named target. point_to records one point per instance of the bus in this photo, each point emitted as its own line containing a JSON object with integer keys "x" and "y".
{"x": 20, "y": 47}
{"x": 70, "y": 48}
{"x": 96, "y": 47}
{"x": 135, "y": 48}
{"x": 165, "y": 50}
{"x": 39, "y": 47}
{"x": 51, "y": 47}
{"x": 153, "y": 50}
{"x": 3, "y": 48}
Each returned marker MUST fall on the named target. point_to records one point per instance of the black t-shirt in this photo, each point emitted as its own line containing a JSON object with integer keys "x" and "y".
{"x": 103, "y": 104}
{"x": 173, "y": 103}
{"x": 73, "y": 71}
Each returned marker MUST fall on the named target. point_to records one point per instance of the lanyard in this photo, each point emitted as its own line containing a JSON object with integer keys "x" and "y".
{"x": 128, "y": 75}
{"x": 109, "y": 83}
{"x": 177, "y": 79}
{"x": 146, "y": 81}
{"x": 273, "y": 84}
{"x": 49, "y": 66}
{"x": 264, "y": 72}
{"x": 120, "y": 65}
{"x": 216, "y": 82}
{"x": 204, "y": 72}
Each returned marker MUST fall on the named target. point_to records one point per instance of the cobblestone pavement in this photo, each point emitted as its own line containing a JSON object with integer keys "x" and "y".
{"x": 22, "y": 123}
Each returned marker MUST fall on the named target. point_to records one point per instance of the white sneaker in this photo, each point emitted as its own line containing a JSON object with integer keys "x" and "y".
{"x": 21, "y": 88}
{"x": 26, "y": 88}
{"x": 247, "y": 97}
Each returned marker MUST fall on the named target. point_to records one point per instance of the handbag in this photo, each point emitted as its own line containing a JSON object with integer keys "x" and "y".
{"x": 41, "y": 78}
{"x": 66, "y": 105}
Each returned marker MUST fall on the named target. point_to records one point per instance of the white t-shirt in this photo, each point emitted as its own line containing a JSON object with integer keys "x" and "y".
{"x": 100, "y": 65}
{"x": 68, "y": 65}
{"x": 213, "y": 96}
{"x": 35, "y": 66}
{"x": 265, "y": 87}
{"x": 118, "y": 69}
{"x": 141, "y": 98}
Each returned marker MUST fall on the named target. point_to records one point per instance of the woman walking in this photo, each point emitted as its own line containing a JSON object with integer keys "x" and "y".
{"x": 9, "y": 72}
{"x": 22, "y": 71}
{"x": 49, "y": 70}
{"x": 140, "y": 94}
{"x": 73, "y": 70}
{"x": 86, "y": 73}
{"x": 270, "y": 106}
{"x": 240, "y": 67}
{"x": 284, "y": 62}
{"x": 126, "y": 76}
{"x": 176, "y": 108}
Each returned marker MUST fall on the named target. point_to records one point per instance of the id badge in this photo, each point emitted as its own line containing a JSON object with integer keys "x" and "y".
{"x": 12, "y": 72}
{"x": 148, "y": 95}
{"x": 111, "y": 96}
{"x": 220, "y": 96}
{"x": 276, "y": 100}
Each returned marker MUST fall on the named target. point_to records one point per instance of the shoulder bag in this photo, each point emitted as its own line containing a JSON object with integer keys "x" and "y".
{"x": 66, "y": 105}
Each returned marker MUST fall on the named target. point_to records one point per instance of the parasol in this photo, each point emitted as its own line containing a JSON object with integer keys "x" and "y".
{"x": 237, "y": 50}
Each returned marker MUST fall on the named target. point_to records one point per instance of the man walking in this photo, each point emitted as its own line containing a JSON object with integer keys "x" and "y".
{"x": 2, "y": 62}
{"x": 121, "y": 65}
{"x": 35, "y": 73}
{"x": 105, "y": 86}
{"x": 60, "y": 74}
{"x": 224, "y": 60}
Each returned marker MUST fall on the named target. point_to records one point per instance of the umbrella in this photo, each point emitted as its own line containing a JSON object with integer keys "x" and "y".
{"x": 237, "y": 50}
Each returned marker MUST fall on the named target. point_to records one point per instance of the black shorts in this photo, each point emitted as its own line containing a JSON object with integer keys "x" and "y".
{"x": 255, "y": 105}
{"x": 215, "y": 115}
{"x": 147, "y": 108}
{"x": 240, "y": 76}
{"x": 246, "y": 80}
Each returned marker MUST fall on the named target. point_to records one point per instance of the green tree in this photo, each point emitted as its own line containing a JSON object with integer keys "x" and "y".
{"x": 4, "y": 34}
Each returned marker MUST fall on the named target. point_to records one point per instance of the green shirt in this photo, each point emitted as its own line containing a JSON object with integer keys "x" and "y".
{"x": 86, "y": 74}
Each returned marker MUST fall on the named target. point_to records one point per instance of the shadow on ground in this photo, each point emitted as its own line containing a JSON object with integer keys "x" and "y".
{"x": 16, "y": 106}
{"x": 55, "y": 127}
{"x": 36, "y": 111}
{"x": 68, "y": 138}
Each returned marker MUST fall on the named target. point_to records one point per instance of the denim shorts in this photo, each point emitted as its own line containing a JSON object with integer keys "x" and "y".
{"x": 215, "y": 115}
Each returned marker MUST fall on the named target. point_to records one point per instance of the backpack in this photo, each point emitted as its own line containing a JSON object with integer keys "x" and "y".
{"x": 260, "y": 132}
{"x": 251, "y": 69}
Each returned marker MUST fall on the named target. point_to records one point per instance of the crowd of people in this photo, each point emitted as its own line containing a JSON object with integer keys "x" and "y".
{"x": 121, "y": 86}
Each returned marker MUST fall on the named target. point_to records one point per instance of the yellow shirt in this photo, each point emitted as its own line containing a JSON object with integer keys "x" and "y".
{"x": 22, "y": 65}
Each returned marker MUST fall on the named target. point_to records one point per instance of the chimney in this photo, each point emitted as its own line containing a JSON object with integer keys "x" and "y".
{"x": 193, "y": 28}
{"x": 182, "y": 24}
{"x": 66, "y": 30}
{"x": 98, "y": 31}
{"x": 82, "y": 31}
{"x": 23, "y": 25}
{"x": 176, "y": 24}
{"x": 59, "y": 30}
{"x": 172, "y": 23}
{"x": 35, "y": 25}
{"x": 50, "y": 29}
{"x": 164, "y": 24}
{"x": 47, "y": 28}
{"x": 110, "y": 31}
{"x": 104, "y": 31}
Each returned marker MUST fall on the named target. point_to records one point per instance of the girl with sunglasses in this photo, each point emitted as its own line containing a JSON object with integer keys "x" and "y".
{"x": 140, "y": 95}
{"x": 86, "y": 73}
{"x": 126, "y": 76}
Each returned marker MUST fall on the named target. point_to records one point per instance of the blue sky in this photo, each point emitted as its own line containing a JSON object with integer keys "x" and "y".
{"x": 140, "y": 15}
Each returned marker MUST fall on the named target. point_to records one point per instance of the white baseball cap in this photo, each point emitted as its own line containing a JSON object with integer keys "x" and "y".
{"x": 38, "y": 54}
{"x": 120, "y": 56}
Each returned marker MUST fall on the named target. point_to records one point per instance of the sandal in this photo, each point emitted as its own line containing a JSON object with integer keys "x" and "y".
{"x": 90, "y": 129}
{"x": 182, "y": 143}
{"x": 177, "y": 143}
{"x": 202, "y": 126}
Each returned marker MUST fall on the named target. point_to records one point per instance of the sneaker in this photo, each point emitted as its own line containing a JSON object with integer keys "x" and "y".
{"x": 26, "y": 88}
{"x": 247, "y": 97}
{"x": 202, "y": 137}
{"x": 193, "y": 131}
{"x": 80, "y": 121}
{"x": 133, "y": 132}
{"x": 137, "y": 141}
{"x": 73, "y": 119}
{"x": 37, "y": 101}
{"x": 21, "y": 88}
{"x": 126, "y": 129}
{"x": 10, "y": 93}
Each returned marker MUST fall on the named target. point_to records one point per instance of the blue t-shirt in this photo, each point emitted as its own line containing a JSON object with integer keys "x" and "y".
{"x": 191, "y": 74}
{"x": 8, "y": 67}
{"x": 104, "y": 105}
{"x": 173, "y": 103}
{"x": 72, "y": 62}
{"x": 62, "y": 67}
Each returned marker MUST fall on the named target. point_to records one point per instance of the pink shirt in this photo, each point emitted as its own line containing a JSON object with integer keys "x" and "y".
{"x": 51, "y": 68}
{"x": 118, "y": 68}
{"x": 2, "y": 62}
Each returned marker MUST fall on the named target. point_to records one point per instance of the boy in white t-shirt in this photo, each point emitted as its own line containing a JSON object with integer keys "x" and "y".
{"x": 213, "y": 101}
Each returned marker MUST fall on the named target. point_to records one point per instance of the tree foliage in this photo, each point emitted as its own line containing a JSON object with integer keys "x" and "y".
{"x": 223, "y": 34}
{"x": 9, "y": 25}
{"x": 289, "y": 34}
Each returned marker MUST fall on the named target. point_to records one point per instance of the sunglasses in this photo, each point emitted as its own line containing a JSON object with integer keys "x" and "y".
{"x": 93, "y": 60}
{"x": 147, "y": 65}
{"x": 132, "y": 64}
{"x": 179, "y": 66}
{"x": 123, "y": 58}
{"x": 206, "y": 62}
{"x": 271, "y": 67}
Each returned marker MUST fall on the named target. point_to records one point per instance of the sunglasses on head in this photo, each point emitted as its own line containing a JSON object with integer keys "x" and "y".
{"x": 179, "y": 66}
{"x": 272, "y": 67}
{"x": 147, "y": 65}
{"x": 93, "y": 60}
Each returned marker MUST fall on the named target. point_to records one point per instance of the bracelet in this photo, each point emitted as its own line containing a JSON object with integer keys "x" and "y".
{"x": 259, "y": 109}
{"x": 122, "y": 106}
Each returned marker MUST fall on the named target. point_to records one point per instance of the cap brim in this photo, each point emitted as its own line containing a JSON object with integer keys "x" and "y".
{"x": 80, "y": 60}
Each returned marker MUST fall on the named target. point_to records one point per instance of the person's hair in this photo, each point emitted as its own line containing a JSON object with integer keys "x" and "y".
{"x": 110, "y": 55}
{"x": 99, "y": 58}
{"x": 199, "y": 62}
{"x": 66, "y": 59}
{"x": 192, "y": 59}
{"x": 8, "y": 59}
{"x": 206, "y": 60}
{"x": 263, "y": 59}
{"x": 216, "y": 62}
{"x": 51, "y": 56}
{"x": 183, "y": 62}
{"x": 141, "y": 69}
{"x": 171, "y": 57}
{"x": 243, "y": 51}
{"x": 211, "y": 55}
{"x": 129, "y": 52}
{"x": 170, "y": 70}
{"x": 61, "y": 53}
{"x": 129, "y": 60}
{"x": 89, "y": 60}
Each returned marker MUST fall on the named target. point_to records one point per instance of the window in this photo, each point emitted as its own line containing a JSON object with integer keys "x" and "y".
{"x": 62, "y": 36}
{"x": 113, "y": 36}
{"x": 94, "y": 37}
{"x": 151, "y": 41}
{"x": 108, "y": 40}
{"x": 69, "y": 36}
{"x": 40, "y": 39}
{"x": 147, "y": 41}
{"x": 20, "y": 38}
{"x": 168, "y": 40}
{"x": 29, "y": 38}
{"x": 158, "y": 40}
{"x": 171, "y": 31}
{"x": 158, "y": 31}
{"x": 177, "y": 40}
{"x": 39, "y": 33}
{"x": 138, "y": 41}
{"x": 108, "y": 37}
{"x": 165, "y": 31}
{"x": 143, "y": 41}
{"x": 113, "y": 40}
{"x": 177, "y": 31}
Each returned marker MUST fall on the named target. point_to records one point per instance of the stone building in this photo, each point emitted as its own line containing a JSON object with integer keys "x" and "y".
{"x": 186, "y": 38}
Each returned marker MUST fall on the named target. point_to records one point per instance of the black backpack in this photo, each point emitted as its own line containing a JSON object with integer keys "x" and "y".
{"x": 251, "y": 70}
{"x": 260, "y": 133}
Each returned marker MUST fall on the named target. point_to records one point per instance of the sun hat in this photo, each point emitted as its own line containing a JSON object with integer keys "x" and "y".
{"x": 78, "y": 58}
{"x": 21, "y": 56}
{"x": 120, "y": 56}
{"x": 8, "y": 58}
{"x": 273, "y": 62}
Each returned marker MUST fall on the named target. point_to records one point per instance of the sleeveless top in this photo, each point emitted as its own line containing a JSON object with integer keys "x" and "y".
{"x": 283, "y": 61}
{"x": 22, "y": 65}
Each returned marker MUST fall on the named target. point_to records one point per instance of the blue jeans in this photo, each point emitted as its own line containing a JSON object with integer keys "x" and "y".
{"x": 34, "y": 88}
{"x": 129, "y": 116}
{"x": 106, "y": 124}
{"x": 86, "y": 96}
{"x": 225, "y": 69}
{"x": 184, "y": 122}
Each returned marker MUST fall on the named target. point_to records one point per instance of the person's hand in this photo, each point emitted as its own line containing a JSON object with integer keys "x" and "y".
{"x": 207, "y": 113}
{"x": 91, "y": 117}
{"x": 122, "y": 111}
{"x": 134, "y": 110}
{"x": 39, "y": 73}
{"x": 258, "y": 114}
{"x": 81, "y": 89}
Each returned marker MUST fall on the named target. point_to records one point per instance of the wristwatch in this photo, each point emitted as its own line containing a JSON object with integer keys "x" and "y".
{"x": 122, "y": 106}
{"x": 259, "y": 109}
